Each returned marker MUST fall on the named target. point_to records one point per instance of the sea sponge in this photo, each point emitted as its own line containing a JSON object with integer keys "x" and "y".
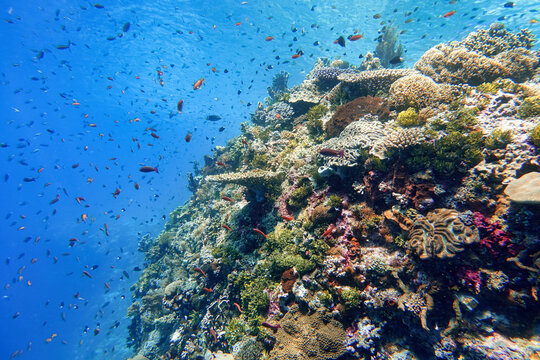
{"x": 418, "y": 91}
{"x": 441, "y": 233}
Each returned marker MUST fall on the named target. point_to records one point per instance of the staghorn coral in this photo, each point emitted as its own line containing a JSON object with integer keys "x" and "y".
{"x": 440, "y": 233}
{"x": 354, "y": 110}
{"x": 418, "y": 91}
{"x": 303, "y": 336}
{"x": 369, "y": 82}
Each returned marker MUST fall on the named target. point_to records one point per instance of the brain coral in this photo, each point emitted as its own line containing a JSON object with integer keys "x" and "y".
{"x": 441, "y": 233}
{"x": 418, "y": 91}
{"x": 314, "y": 337}
{"x": 481, "y": 57}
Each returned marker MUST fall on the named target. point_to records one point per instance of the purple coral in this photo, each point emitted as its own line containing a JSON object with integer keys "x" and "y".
{"x": 470, "y": 278}
{"x": 493, "y": 237}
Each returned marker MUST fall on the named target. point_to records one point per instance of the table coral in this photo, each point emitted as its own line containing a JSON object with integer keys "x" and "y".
{"x": 440, "y": 233}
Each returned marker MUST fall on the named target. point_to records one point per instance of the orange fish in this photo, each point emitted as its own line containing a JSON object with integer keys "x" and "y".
{"x": 214, "y": 69}
{"x": 260, "y": 232}
{"x": 245, "y": 142}
{"x": 356, "y": 37}
{"x": 238, "y": 307}
{"x": 448, "y": 14}
{"x": 278, "y": 116}
{"x": 221, "y": 164}
{"x": 226, "y": 198}
{"x": 207, "y": 290}
{"x": 286, "y": 217}
{"x": 136, "y": 186}
{"x": 79, "y": 199}
{"x": 92, "y": 125}
{"x": 200, "y": 271}
{"x": 237, "y": 24}
{"x": 533, "y": 21}
{"x": 296, "y": 56}
{"x": 84, "y": 217}
{"x": 269, "y": 38}
{"x": 76, "y": 103}
{"x": 225, "y": 226}
{"x": 198, "y": 83}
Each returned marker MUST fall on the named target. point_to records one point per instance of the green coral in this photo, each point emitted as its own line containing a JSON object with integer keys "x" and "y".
{"x": 255, "y": 300}
{"x": 462, "y": 120}
{"x": 259, "y": 161}
{"x": 314, "y": 115}
{"x": 499, "y": 139}
{"x": 299, "y": 196}
{"x": 334, "y": 201}
{"x": 324, "y": 297}
{"x": 351, "y": 297}
{"x": 529, "y": 107}
{"x": 535, "y": 135}
{"x": 455, "y": 150}
{"x": 236, "y": 330}
{"x": 377, "y": 265}
{"x": 408, "y": 118}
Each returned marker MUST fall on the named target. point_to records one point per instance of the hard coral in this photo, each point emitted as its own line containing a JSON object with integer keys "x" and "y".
{"x": 408, "y": 118}
{"x": 354, "y": 110}
{"x": 418, "y": 91}
{"x": 530, "y": 107}
{"x": 441, "y": 233}
{"x": 369, "y": 82}
{"x": 313, "y": 337}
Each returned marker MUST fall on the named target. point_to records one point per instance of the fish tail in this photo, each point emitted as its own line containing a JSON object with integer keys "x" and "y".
{"x": 342, "y": 153}
{"x": 156, "y": 170}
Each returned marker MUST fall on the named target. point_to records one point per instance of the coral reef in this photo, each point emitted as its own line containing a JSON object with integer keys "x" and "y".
{"x": 387, "y": 49}
{"x": 399, "y": 225}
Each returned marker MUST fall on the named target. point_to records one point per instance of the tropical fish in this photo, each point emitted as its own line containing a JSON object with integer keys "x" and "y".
{"x": 260, "y": 232}
{"x": 355, "y": 37}
{"x": 126, "y": 26}
{"x": 180, "y": 105}
{"x": 340, "y": 41}
{"x": 146, "y": 169}
{"x": 269, "y": 38}
{"x": 188, "y": 137}
{"x": 331, "y": 152}
{"x": 448, "y": 14}
{"x": 213, "y": 117}
{"x": 198, "y": 83}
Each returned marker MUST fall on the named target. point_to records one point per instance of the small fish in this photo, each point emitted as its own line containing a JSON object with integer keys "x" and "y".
{"x": 213, "y": 117}
{"x": 180, "y": 105}
{"x": 269, "y": 38}
{"x": 126, "y": 26}
{"x": 98, "y": 6}
{"x": 137, "y": 186}
{"x": 225, "y": 226}
{"x": 116, "y": 192}
{"x": 296, "y": 56}
{"x": 286, "y": 217}
{"x": 329, "y": 230}
{"x": 448, "y": 14}
{"x": 200, "y": 271}
{"x": 221, "y": 164}
{"x": 207, "y": 290}
{"x": 86, "y": 273}
{"x": 238, "y": 307}
{"x": 355, "y": 37}
{"x": 62, "y": 47}
{"x": 226, "y": 198}
{"x": 377, "y": 16}
{"x": 340, "y": 41}
{"x": 154, "y": 135}
{"x": 260, "y": 232}
{"x": 331, "y": 152}
{"x": 146, "y": 169}
{"x": 188, "y": 137}
{"x": 509, "y": 4}
{"x": 533, "y": 21}
{"x": 198, "y": 84}
{"x": 396, "y": 60}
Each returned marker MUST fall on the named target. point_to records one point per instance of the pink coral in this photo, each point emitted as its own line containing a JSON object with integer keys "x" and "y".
{"x": 471, "y": 278}
{"x": 493, "y": 237}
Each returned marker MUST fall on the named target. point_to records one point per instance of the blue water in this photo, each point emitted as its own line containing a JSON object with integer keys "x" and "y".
{"x": 113, "y": 75}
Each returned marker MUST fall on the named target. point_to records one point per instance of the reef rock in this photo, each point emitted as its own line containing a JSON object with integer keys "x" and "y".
{"x": 314, "y": 337}
{"x": 441, "y": 233}
{"x": 526, "y": 189}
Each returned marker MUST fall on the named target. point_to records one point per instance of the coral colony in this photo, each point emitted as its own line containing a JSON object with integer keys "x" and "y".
{"x": 367, "y": 213}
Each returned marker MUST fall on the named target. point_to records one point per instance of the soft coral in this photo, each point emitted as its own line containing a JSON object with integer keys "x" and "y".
{"x": 493, "y": 237}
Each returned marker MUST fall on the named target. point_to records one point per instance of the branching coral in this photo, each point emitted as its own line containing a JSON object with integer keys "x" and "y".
{"x": 418, "y": 91}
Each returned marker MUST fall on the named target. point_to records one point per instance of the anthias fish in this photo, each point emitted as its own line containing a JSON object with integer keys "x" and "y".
{"x": 331, "y": 152}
